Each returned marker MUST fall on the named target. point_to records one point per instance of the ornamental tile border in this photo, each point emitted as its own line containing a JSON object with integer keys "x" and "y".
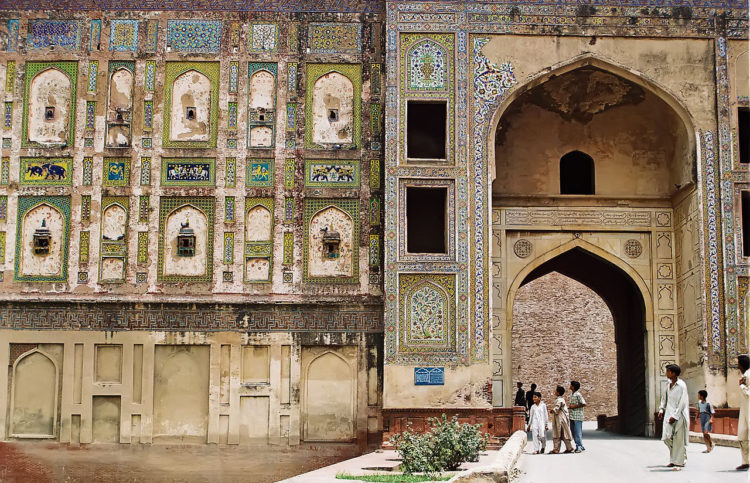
{"x": 174, "y": 70}
{"x": 230, "y": 170}
{"x": 167, "y": 205}
{"x": 145, "y": 171}
{"x": 70, "y": 69}
{"x": 26, "y": 204}
{"x": 424, "y": 340}
{"x": 353, "y": 72}
{"x": 350, "y": 206}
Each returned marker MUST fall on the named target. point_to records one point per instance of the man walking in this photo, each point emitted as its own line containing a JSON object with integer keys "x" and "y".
{"x": 520, "y": 395}
{"x": 674, "y": 411}
{"x": 577, "y": 403}
{"x": 743, "y": 363}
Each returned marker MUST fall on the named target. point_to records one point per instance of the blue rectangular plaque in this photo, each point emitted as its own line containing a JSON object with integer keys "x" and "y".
{"x": 429, "y": 376}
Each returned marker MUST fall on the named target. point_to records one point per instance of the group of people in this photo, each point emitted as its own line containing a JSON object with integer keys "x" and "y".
{"x": 674, "y": 411}
{"x": 567, "y": 419}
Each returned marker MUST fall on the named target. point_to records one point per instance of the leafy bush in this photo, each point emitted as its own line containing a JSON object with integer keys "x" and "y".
{"x": 443, "y": 448}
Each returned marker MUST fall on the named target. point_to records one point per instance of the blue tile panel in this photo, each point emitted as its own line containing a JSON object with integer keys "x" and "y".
{"x": 64, "y": 34}
{"x": 201, "y": 36}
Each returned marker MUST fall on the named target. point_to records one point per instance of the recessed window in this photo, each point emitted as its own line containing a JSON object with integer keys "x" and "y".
{"x": 186, "y": 240}
{"x": 426, "y": 130}
{"x": 190, "y": 114}
{"x": 42, "y": 240}
{"x": 261, "y": 117}
{"x": 49, "y": 113}
{"x": 745, "y": 213}
{"x": 743, "y": 128}
{"x": 331, "y": 243}
{"x": 425, "y": 220}
{"x": 333, "y": 115}
{"x": 118, "y": 117}
{"x": 577, "y": 174}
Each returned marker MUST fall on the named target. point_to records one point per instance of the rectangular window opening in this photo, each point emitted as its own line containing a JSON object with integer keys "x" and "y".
{"x": 743, "y": 133}
{"x": 426, "y": 128}
{"x": 426, "y": 220}
{"x": 745, "y": 223}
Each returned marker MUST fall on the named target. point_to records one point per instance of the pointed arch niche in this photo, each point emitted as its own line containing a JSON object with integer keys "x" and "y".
{"x": 33, "y": 264}
{"x": 187, "y": 266}
{"x": 34, "y": 396}
{"x": 322, "y": 263}
{"x": 49, "y": 107}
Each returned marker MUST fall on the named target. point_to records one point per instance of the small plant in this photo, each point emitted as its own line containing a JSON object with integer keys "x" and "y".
{"x": 445, "y": 447}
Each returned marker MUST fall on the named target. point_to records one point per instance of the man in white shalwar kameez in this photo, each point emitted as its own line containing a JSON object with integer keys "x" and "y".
{"x": 538, "y": 424}
{"x": 674, "y": 411}
{"x": 743, "y": 362}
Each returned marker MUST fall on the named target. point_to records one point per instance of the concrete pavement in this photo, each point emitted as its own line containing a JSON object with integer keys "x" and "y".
{"x": 613, "y": 459}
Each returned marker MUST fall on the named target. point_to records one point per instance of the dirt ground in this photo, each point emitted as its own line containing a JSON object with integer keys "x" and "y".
{"x": 44, "y": 462}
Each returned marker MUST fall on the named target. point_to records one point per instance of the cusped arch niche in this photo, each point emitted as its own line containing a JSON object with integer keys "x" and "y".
{"x": 427, "y": 311}
{"x": 189, "y": 266}
{"x": 190, "y": 110}
{"x": 258, "y": 224}
{"x": 262, "y": 90}
{"x": 34, "y": 396}
{"x": 331, "y": 220}
{"x": 113, "y": 222}
{"x": 329, "y": 399}
{"x": 44, "y": 217}
{"x": 50, "y": 93}
{"x": 121, "y": 90}
{"x": 333, "y": 109}
{"x": 428, "y": 67}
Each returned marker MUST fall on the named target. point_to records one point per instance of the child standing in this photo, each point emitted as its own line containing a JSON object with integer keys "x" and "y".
{"x": 577, "y": 403}
{"x": 706, "y": 415}
{"x": 538, "y": 424}
{"x": 561, "y": 423}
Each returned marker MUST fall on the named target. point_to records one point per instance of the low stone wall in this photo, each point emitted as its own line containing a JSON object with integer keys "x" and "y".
{"x": 499, "y": 423}
{"x": 725, "y": 421}
{"x": 499, "y": 470}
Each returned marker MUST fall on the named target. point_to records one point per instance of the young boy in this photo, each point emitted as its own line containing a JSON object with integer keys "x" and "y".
{"x": 577, "y": 403}
{"x": 674, "y": 411}
{"x": 538, "y": 424}
{"x": 560, "y": 423}
{"x": 706, "y": 415}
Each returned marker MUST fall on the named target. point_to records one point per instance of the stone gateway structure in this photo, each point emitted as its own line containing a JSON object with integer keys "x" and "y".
{"x": 294, "y": 221}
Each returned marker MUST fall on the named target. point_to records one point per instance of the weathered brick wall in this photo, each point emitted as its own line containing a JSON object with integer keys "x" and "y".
{"x": 562, "y": 330}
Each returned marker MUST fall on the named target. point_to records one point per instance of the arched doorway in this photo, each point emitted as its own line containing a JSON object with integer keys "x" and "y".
{"x": 625, "y": 300}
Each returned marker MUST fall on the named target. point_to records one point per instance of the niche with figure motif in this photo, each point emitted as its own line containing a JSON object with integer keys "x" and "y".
{"x": 190, "y": 114}
{"x": 331, "y": 239}
{"x": 333, "y": 110}
{"x": 42, "y": 242}
{"x": 50, "y": 93}
{"x": 179, "y": 258}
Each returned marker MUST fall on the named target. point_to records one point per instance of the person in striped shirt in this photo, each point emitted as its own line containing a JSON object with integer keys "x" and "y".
{"x": 577, "y": 403}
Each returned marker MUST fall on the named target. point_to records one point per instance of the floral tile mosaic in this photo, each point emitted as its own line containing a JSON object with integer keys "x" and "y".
{"x": 195, "y": 36}
{"x": 123, "y": 36}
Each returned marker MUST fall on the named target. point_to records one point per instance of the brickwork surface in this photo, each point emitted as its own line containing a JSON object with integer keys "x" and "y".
{"x": 562, "y": 330}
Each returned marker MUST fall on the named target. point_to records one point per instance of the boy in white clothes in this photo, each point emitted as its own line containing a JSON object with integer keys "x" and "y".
{"x": 538, "y": 424}
{"x": 674, "y": 410}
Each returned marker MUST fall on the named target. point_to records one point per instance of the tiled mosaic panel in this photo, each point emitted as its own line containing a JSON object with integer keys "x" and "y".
{"x": 259, "y": 173}
{"x": 145, "y": 171}
{"x": 334, "y": 38}
{"x": 85, "y": 208}
{"x": 93, "y": 72}
{"x": 2, "y": 247}
{"x": 291, "y": 119}
{"x": 150, "y": 75}
{"x": 263, "y": 37}
{"x": 234, "y": 34}
{"x": 427, "y": 313}
{"x": 195, "y": 36}
{"x": 46, "y": 171}
{"x": 332, "y": 173}
{"x": 13, "y": 26}
{"x": 147, "y": 143}
{"x": 288, "y": 248}
{"x": 288, "y": 209}
{"x": 292, "y": 79}
{"x": 166, "y": 206}
{"x": 188, "y": 172}
{"x": 349, "y": 206}
{"x": 375, "y": 79}
{"x": 8, "y": 124}
{"x": 279, "y": 6}
{"x": 229, "y": 247}
{"x": 4, "y": 171}
{"x": 148, "y": 115}
{"x": 144, "y": 208}
{"x": 88, "y": 171}
{"x": 231, "y": 173}
{"x": 375, "y": 115}
{"x": 84, "y": 244}
{"x": 90, "y": 114}
{"x": 63, "y": 34}
{"x": 174, "y": 70}
{"x": 70, "y": 69}
{"x": 234, "y": 76}
{"x": 427, "y": 66}
{"x": 229, "y": 209}
{"x": 375, "y": 211}
{"x": 123, "y": 35}
{"x": 116, "y": 172}
{"x": 374, "y": 250}
{"x": 3, "y": 208}
{"x": 232, "y": 116}
{"x": 95, "y": 35}
{"x": 152, "y": 36}
{"x": 142, "y": 256}
{"x": 10, "y": 76}
{"x": 27, "y": 203}
{"x": 375, "y": 174}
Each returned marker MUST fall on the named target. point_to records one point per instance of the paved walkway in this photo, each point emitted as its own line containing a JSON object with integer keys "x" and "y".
{"x": 613, "y": 459}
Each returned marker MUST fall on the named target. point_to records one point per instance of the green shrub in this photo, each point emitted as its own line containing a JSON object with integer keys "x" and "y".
{"x": 443, "y": 448}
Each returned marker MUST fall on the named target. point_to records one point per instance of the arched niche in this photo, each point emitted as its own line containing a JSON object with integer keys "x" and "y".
{"x": 329, "y": 220}
{"x": 262, "y": 90}
{"x": 50, "y": 93}
{"x": 333, "y": 109}
{"x": 577, "y": 174}
{"x": 34, "y": 396}
{"x": 51, "y": 263}
{"x": 258, "y": 224}
{"x": 428, "y": 67}
{"x": 641, "y": 140}
{"x": 189, "y": 266}
{"x": 427, "y": 312}
{"x": 190, "y": 109}
{"x": 741, "y": 73}
{"x": 121, "y": 90}
{"x": 114, "y": 220}
{"x": 329, "y": 398}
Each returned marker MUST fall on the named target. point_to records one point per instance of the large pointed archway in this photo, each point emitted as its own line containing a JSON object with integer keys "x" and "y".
{"x": 625, "y": 299}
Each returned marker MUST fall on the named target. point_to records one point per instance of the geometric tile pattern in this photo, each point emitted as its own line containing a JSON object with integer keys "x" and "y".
{"x": 123, "y": 36}
{"x": 83, "y": 247}
{"x": 152, "y": 36}
{"x": 195, "y": 36}
{"x": 63, "y": 34}
{"x": 334, "y": 38}
{"x": 263, "y": 37}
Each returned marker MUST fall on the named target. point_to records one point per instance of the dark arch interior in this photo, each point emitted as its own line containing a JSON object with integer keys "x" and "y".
{"x": 625, "y": 301}
{"x": 577, "y": 175}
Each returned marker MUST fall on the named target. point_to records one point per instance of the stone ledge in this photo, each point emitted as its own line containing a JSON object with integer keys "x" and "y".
{"x": 499, "y": 470}
{"x": 718, "y": 439}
